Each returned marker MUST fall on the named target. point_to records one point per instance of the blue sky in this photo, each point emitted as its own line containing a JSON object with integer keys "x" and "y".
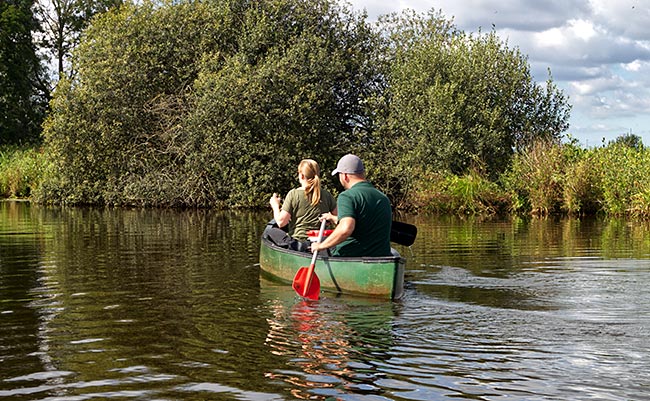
{"x": 598, "y": 52}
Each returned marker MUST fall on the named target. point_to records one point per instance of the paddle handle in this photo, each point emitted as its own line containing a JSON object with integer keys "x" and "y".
{"x": 312, "y": 265}
{"x": 320, "y": 238}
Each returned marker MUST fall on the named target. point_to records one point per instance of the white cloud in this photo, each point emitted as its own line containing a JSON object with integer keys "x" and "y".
{"x": 630, "y": 18}
{"x": 634, "y": 66}
{"x": 597, "y": 50}
{"x": 582, "y": 29}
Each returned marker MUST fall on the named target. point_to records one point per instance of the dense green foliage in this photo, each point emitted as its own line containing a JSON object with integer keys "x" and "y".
{"x": 23, "y": 97}
{"x": 458, "y": 102}
{"x": 21, "y": 171}
{"x": 553, "y": 178}
{"x": 468, "y": 194}
{"x": 184, "y": 103}
{"x": 545, "y": 179}
{"x": 206, "y": 103}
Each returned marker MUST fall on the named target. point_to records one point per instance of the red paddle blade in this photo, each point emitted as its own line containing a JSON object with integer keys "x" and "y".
{"x": 303, "y": 287}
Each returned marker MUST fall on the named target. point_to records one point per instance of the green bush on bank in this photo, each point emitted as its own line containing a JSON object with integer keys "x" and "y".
{"x": 214, "y": 103}
{"x": 549, "y": 178}
{"x": 471, "y": 194}
{"x": 207, "y": 104}
{"x": 625, "y": 179}
{"x": 552, "y": 178}
{"x": 21, "y": 171}
{"x": 536, "y": 179}
{"x": 456, "y": 99}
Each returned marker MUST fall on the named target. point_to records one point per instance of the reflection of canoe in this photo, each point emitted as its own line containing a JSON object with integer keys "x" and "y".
{"x": 371, "y": 276}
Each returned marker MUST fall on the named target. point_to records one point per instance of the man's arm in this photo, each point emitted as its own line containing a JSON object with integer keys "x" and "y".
{"x": 342, "y": 231}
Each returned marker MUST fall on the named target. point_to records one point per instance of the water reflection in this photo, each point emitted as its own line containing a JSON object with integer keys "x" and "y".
{"x": 333, "y": 345}
{"x": 164, "y": 304}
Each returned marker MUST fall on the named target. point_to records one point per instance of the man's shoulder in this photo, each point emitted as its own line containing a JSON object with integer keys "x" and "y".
{"x": 366, "y": 187}
{"x": 361, "y": 186}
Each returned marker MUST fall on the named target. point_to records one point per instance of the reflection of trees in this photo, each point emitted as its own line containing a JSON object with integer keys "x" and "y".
{"x": 167, "y": 290}
{"x": 131, "y": 298}
{"x": 22, "y": 290}
{"x": 499, "y": 246}
{"x": 496, "y": 262}
{"x": 334, "y": 345}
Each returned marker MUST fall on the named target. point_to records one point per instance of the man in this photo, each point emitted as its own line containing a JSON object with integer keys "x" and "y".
{"x": 364, "y": 214}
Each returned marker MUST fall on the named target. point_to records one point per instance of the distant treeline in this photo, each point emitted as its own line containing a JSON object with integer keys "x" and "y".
{"x": 214, "y": 103}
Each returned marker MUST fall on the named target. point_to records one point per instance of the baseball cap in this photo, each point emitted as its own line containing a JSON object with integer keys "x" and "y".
{"x": 349, "y": 164}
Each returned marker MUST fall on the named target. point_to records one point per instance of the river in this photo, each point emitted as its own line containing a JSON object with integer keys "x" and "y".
{"x": 169, "y": 305}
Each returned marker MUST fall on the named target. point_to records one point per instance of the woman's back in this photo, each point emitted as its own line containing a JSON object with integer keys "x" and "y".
{"x": 305, "y": 216}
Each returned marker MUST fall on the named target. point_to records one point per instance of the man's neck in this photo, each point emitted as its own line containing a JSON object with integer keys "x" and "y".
{"x": 355, "y": 181}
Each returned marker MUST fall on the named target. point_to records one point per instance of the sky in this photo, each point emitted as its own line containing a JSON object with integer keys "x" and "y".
{"x": 598, "y": 52}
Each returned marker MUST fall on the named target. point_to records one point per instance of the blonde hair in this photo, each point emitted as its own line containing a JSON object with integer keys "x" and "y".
{"x": 309, "y": 168}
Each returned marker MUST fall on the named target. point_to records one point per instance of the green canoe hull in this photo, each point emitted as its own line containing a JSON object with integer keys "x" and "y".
{"x": 381, "y": 277}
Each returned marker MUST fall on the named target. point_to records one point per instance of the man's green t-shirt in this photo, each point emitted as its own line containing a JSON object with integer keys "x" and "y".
{"x": 304, "y": 216}
{"x": 372, "y": 213}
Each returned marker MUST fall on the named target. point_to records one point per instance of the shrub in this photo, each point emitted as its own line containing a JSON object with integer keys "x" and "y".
{"x": 582, "y": 187}
{"x": 536, "y": 179}
{"x": 190, "y": 103}
{"x": 21, "y": 171}
{"x": 624, "y": 177}
{"x": 455, "y": 98}
{"x": 471, "y": 194}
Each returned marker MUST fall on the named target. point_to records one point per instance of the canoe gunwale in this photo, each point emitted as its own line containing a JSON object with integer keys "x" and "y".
{"x": 386, "y": 280}
{"x": 321, "y": 257}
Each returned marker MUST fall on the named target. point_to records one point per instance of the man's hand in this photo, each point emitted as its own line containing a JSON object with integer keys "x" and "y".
{"x": 340, "y": 233}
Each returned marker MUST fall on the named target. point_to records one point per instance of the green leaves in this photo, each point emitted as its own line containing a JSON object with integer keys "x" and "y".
{"x": 208, "y": 103}
{"x": 214, "y": 103}
{"x": 462, "y": 98}
{"x": 23, "y": 97}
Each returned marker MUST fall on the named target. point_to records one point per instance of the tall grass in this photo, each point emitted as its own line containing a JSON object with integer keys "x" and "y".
{"x": 625, "y": 177}
{"x": 549, "y": 178}
{"x": 554, "y": 178}
{"x": 471, "y": 194}
{"x": 21, "y": 171}
{"x": 536, "y": 179}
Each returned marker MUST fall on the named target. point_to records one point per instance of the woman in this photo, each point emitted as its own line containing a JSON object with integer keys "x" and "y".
{"x": 303, "y": 206}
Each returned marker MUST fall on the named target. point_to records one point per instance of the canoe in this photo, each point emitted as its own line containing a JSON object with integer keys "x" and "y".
{"x": 381, "y": 277}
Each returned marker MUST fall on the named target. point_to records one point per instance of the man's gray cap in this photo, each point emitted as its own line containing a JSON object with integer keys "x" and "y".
{"x": 349, "y": 164}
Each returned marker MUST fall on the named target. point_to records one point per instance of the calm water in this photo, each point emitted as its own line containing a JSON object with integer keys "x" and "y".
{"x": 168, "y": 305}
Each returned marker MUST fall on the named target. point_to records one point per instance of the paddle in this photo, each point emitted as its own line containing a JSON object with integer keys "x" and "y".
{"x": 306, "y": 282}
{"x": 403, "y": 233}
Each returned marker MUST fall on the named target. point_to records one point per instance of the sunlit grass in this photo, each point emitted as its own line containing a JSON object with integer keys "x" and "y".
{"x": 21, "y": 171}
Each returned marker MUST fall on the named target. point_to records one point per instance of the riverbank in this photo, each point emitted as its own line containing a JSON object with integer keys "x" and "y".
{"x": 547, "y": 179}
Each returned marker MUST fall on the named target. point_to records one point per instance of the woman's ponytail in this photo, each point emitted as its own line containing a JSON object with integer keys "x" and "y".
{"x": 309, "y": 168}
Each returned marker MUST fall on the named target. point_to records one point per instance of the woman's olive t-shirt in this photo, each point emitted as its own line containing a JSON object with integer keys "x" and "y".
{"x": 304, "y": 216}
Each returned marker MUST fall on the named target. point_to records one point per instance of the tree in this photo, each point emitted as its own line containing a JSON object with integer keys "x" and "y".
{"x": 212, "y": 103}
{"x": 62, "y": 22}
{"x": 630, "y": 140}
{"x": 457, "y": 101}
{"x": 23, "y": 98}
